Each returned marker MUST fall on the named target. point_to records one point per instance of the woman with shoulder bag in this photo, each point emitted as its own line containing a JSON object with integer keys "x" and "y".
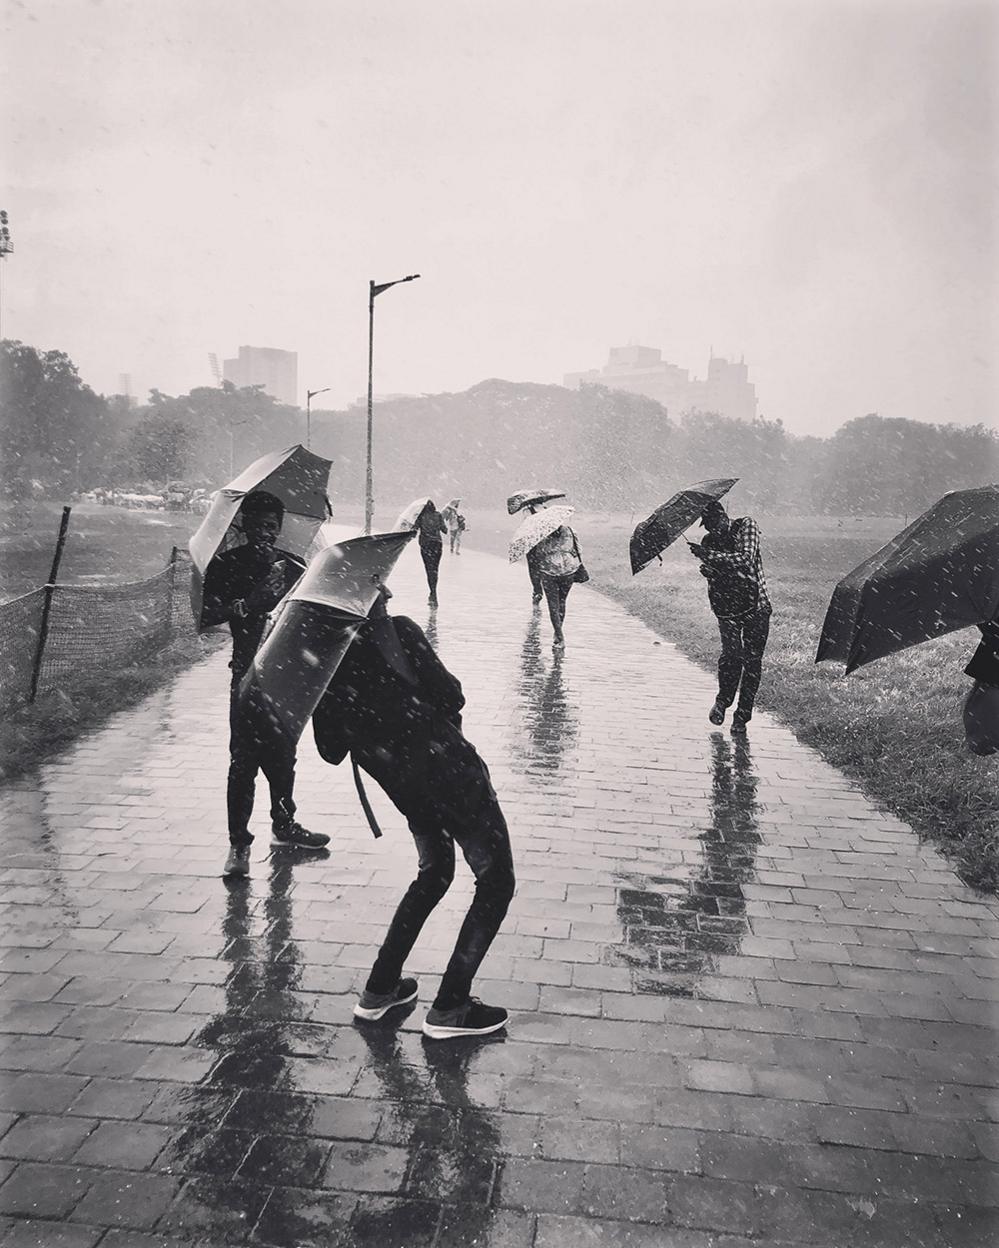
{"x": 560, "y": 564}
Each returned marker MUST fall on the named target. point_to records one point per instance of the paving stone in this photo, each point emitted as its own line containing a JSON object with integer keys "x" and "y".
{"x": 124, "y": 1198}
{"x": 125, "y": 1145}
{"x": 32, "y": 1234}
{"x": 41, "y": 1137}
{"x": 299, "y": 1218}
{"x": 43, "y": 1191}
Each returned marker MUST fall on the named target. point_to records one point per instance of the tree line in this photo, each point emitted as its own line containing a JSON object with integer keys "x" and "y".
{"x": 609, "y": 449}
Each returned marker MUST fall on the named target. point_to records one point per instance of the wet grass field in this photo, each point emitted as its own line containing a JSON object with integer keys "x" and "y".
{"x": 102, "y": 544}
{"x": 893, "y": 726}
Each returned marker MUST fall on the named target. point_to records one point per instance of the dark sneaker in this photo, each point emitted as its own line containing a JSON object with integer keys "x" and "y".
{"x": 535, "y": 598}
{"x": 374, "y": 1005}
{"x": 739, "y": 721}
{"x": 717, "y": 714}
{"x": 471, "y": 1019}
{"x": 292, "y": 833}
{"x": 238, "y": 862}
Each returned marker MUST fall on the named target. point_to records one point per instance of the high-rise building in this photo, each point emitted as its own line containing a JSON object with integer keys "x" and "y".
{"x": 642, "y": 370}
{"x": 276, "y": 371}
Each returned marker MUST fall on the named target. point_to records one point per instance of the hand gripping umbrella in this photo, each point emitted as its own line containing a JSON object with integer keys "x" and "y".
{"x": 938, "y": 575}
{"x": 535, "y": 528}
{"x": 526, "y": 498}
{"x": 295, "y": 476}
{"x": 667, "y": 522}
{"x": 300, "y": 655}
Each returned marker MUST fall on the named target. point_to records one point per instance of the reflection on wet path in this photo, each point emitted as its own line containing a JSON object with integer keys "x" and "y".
{"x": 677, "y": 924}
{"x": 543, "y": 738}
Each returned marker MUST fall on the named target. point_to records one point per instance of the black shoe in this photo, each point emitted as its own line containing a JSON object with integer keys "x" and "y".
{"x": 375, "y": 1005}
{"x": 471, "y": 1019}
{"x": 739, "y": 721}
{"x": 238, "y": 862}
{"x": 717, "y": 713}
{"x": 292, "y": 833}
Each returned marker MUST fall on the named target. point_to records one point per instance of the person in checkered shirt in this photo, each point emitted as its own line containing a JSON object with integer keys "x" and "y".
{"x": 737, "y": 591}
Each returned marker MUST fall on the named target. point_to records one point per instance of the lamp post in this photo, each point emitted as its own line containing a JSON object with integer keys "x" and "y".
{"x": 309, "y": 396}
{"x": 6, "y": 249}
{"x": 374, "y": 290}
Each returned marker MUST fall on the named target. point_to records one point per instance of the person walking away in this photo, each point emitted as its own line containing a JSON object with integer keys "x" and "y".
{"x": 981, "y": 707}
{"x": 737, "y": 592}
{"x": 559, "y": 564}
{"x": 242, "y": 586}
{"x": 397, "y": 709}
{"x": 431, "y": 527}
{"x": 456, "y": 527}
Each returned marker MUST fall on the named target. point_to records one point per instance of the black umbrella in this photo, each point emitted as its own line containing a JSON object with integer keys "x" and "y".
{"x": 667, "y": 522}
{"x": 938, "y": 575}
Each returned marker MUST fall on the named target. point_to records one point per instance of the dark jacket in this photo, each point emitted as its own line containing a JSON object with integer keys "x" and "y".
{"x": 237, "y": 574}
{"x": 376, "y": 706}
{"x": 430, "y": 526}
{"x": 984, "y": 665}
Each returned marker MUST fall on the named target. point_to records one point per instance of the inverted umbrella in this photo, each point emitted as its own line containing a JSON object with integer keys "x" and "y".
{"x": 409, "y": 515}
{"x": 297, "y": 477}
{"x": 527, "y": 498}
{"x": 938, "y": 575}
{"x": 299, "y": 657}
{"x": 667, "y": 522}
{"x": 535, "y": 528}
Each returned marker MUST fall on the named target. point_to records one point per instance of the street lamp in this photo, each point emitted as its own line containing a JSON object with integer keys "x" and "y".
{"x": 374, "y": 290}
{"x": 6, "y": 249}
{"x": 309, "y": 396}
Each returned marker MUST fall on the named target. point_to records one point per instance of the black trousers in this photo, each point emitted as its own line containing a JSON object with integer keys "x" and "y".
{"x": 431, "y": 552}
{"x": 447, "y": 799}
{"x": 247, "y": 756}
{"x": 557, "y": 593}
{"x": 740, "y": 664}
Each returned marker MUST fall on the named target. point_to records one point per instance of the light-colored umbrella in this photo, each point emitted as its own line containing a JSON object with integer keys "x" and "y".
{"x": 535, "y": 528}
{"x": 525, "y": 498}
{"x": 297, "y": 477}
{"x": 300, "y": 655}
{"x": 409, "y": 515}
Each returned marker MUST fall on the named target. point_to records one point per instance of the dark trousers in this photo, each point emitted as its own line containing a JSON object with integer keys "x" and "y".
{"x": 557, "y": 592}
{"x": 247, "y": 756}
{"x": 740, "y": 664}
{"x": 431, "y": 552}
{"x": 453, "y": 803}
{"x": 535, "y": 574}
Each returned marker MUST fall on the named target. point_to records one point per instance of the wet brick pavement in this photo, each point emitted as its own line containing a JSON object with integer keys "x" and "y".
{"x": 747, "y": 1008}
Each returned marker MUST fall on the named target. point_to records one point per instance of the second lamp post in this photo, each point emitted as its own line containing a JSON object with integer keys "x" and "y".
{"x": 374, "y": 290}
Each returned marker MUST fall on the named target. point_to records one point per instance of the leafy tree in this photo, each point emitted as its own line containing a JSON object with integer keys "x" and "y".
{"x": 160, "y": 448}
{"x": 55, "y": 432}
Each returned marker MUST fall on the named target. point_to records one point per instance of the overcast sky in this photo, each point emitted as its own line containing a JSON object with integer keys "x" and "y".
{"x": 809, "y": 183}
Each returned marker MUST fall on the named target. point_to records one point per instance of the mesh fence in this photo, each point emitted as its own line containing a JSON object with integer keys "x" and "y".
{"x": 90, "y": 629}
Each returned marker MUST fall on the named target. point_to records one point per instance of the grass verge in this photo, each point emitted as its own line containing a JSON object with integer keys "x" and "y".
{"x": 894, "y": 726}
{"x": 56, "y": 719}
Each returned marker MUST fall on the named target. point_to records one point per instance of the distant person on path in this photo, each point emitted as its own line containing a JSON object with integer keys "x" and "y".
{"x": 397, "y": 709}
{"x": 431, "y": 529}
{"x": 981, "y": 708}
{"x": 456, "y": 527}
{"x": 737, "y": 591}
{"x": 242, "y": 586}
{"x": 559, "y": 565}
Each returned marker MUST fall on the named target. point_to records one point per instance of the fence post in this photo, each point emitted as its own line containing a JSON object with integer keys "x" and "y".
{"x": 43, "y": 631}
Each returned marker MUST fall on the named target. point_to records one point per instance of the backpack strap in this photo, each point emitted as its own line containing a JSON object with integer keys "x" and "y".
{"x": 369, "y": 814}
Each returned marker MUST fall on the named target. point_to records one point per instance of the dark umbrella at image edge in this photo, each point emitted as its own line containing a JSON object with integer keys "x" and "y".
{"x": 938, "y": 575}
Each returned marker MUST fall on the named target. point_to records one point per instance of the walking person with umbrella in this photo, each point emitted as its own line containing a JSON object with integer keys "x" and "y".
{"x": 532, "y": 501}
{"x": 431, "y": 528}
{"x": 737, "y": 592}
{"x": 546, "y": 535}
{"x": 241, "y": 587}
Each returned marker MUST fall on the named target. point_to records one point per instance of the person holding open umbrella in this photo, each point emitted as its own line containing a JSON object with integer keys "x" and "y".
{"x": 241, "y": 587}
{"x": 737, "y": 592}
{"x": 545, "y": 536}
{"x": 396, "y": 709}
